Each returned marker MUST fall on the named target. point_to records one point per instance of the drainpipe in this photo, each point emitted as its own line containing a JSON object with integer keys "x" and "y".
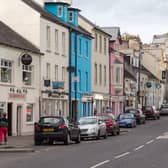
{"x": 110, "y": 74}
{"x": 70, "y": 76}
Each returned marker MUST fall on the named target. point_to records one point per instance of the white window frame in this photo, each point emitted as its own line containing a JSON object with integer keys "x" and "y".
{"x": 63, "y": 43}
{"x": 71, "y": 15}
{"x": 9, "y": 62}
{"x": 60, "y": 11}
{"x": 56, "y": 41}
{"x": 48, "y": 37}
{"x": 29, "y": 69}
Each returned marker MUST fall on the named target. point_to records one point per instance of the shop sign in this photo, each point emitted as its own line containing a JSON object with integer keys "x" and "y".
{"x": 26, "y": 59}
{"x": 16, "y": 96}
{"x": 58, "y": 85}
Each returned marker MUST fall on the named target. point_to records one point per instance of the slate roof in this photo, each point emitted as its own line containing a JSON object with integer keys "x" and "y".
{"x": 10, "y": 38}
{"x": 45, "y": 14}
{"x": 94, "y": 25}
{"x": 113, "y": 31}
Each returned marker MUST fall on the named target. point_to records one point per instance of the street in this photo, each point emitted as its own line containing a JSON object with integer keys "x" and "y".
{"x": 144, "y": 146}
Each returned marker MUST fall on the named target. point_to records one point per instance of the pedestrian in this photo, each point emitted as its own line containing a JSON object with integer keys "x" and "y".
{"x": 3, "y": 129}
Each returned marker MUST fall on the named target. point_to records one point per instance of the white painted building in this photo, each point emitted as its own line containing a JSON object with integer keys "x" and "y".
{"x": 51, "y": 36}
{"x": 19, "y": 83}
{"x": 100, "y": 64}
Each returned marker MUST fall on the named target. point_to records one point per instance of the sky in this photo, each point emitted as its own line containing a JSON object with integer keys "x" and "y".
{"x": 139, "y": 17}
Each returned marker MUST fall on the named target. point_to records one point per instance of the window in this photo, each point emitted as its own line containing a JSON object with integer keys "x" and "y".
{"x": 60, "y": 11}
{"x": 118, "y": 77}
{"x": 6, "y": 71}
{"x": 27, "y": 74}
{"x": 63, "y": 73}
{"x": 48, "y": 71}
{"x": 105, "y": 46}
{"x": 48, "y": 37}
{"x": 71, "y": 16}
{"x": 86, "y": 81}
{"x": 63, "y": 43}
{"x": 95, "y": 73}
{"x": 29, "y": 113}
{"x": 95, "y": 41}
{"x": 80, "y": 46}
{"x": 105, "y": 76}
{"x": 56, "y": 40}
{"x": 80, "y": 83}
{"x": 86, "y": 48}
{"x": 100, "y": 44}
{"x": 56, "y": 72}
{"x": 100, "y": 74}
{"x": 112, "y": 74}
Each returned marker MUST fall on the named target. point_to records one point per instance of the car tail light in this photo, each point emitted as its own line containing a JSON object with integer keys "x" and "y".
{"x": 37, "y": 127}
{"x": 62, "y": 126}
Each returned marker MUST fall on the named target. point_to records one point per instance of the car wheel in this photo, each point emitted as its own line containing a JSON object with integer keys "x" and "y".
{"x": 118, "y": 132}
{"x": 114, "y": 133}
{"x": 67, "y": 140}
{"x": 50, "y": 142}
{"x": 98, "y": 135}
{"x": 37, "y": 142}
{"x": 78, "y": 138}
{"x": 105, "y": 136}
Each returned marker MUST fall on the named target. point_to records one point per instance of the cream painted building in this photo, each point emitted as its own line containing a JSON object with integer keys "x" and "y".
{"x": 52, "y": 38}
{"x": 100, "y": 64}
{"x": 19, "y": 82}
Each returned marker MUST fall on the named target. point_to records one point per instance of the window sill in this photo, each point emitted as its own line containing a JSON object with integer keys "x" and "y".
{"x": 49, "y": 51}
{"x": 28, "y": 87}
{"x": 30, "y": 123}
{"x": 7, "y": 84}
{"x": 56, "y": 53}
{"x": 63, "y": 55}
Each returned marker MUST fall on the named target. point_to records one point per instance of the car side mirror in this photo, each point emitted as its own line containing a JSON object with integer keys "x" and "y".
{"x": 100, "y": 122}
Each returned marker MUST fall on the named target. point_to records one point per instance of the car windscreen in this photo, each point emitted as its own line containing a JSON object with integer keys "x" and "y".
{"x": 164, "y": 106}
{"x": 126, "y": 116}
{"x": 87, "y": 121}
{"x": 131, "y": 111}
{"x": 51, "y": 120}
{"x": 105, "y": 118}
{"x": 148, "y": 108}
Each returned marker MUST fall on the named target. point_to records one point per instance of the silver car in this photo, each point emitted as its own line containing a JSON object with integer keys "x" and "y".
{"x": 164, "y": 109}
{"x": 92, "y": 127}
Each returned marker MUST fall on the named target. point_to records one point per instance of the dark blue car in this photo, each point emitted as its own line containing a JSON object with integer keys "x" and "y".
{"x": 127, "y": 120}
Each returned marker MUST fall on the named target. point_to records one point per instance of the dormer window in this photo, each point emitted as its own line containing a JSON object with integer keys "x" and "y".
{"x": 70, "y": 16}
{"x": 60, "y": 11}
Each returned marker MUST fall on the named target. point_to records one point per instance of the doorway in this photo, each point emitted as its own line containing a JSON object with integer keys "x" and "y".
{"x": 9, "y": 119}
{"x": 18, "y": 120}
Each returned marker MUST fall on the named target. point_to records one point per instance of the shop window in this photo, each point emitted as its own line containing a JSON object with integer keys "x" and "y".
{"x": 27, "y": 74}
{"x": 60, "y": 11}
{"x": 2, "y": 108}
{"x": 29, "y": 113}
{"x": 6, "y": 71}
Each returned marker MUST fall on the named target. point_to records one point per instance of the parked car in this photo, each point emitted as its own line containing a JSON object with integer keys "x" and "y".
{"x": 151, "y": 112}
{"x": 127, "y": 120}
{"x": 140, "y": 117}
{"x": 54, "y": 128}
{"x": 92, "y": 127}
{"x": 112, "y": 125}
{"x": 164, "y": 109}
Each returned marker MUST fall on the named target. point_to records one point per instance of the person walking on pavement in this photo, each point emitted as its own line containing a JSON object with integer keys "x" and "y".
{"x": 3, "y": 129}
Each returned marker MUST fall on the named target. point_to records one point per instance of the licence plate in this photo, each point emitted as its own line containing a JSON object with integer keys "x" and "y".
{"x": 48, "y": 129}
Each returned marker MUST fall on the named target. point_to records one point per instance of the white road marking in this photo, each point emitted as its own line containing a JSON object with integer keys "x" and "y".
{"x": 162, "y": 137}
{"x": 100, "y": 164}
{"x": 122, "y": 155}
{"x": 138, "y": 148}
{"x": 149, "y": 142}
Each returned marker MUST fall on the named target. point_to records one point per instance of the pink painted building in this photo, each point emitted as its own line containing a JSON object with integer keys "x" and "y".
{"x": 116, "y": 68}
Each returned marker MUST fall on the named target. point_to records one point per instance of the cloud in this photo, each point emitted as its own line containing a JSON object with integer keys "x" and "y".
{"x": 144, "y": 17}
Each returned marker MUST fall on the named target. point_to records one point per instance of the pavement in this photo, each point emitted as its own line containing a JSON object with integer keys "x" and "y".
{"x": 24, "y": 144}
{"x": 18, "y": 144}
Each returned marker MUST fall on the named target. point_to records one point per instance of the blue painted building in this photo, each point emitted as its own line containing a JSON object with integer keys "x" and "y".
{"x": 80, "y": 100}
